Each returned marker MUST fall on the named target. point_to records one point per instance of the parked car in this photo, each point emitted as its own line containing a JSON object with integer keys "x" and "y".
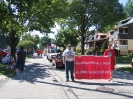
{"x": 52, "y": 53}
{"x": 3, "y": 54}
{"x": 58, "y": 61}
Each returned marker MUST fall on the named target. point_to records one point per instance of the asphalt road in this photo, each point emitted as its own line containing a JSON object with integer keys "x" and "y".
{"x": 41, "y": 80}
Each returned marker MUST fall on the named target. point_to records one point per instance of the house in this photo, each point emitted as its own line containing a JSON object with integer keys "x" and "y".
{"x": 96, "y": 41}
{"x": 121, "y": 36}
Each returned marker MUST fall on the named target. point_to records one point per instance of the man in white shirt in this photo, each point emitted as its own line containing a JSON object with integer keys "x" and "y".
{"x": 68, "y": 60}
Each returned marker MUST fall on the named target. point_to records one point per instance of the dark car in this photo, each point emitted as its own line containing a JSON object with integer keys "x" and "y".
{"x": 58, "y": 61}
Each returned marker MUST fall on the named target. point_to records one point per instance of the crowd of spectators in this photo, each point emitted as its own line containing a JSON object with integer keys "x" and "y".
{"x": 6, "y": 59}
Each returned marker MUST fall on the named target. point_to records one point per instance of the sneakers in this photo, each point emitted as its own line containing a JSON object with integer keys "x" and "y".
{"x": 73, "y": 80}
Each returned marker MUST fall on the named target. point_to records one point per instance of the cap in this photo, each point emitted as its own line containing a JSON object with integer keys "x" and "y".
{"x": 69, "y": 44}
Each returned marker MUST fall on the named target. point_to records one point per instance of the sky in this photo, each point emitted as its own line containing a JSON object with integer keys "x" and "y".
{"x": 123, "y": 1}
{"x": 57, "y": 27}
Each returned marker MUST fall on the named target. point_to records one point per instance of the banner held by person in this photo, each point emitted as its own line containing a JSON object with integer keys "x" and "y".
{"x": 92, "y": 67}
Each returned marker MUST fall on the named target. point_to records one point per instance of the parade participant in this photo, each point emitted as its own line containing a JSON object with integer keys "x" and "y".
{"x": 68, "y": 60}
{"x": 111, "y": 53}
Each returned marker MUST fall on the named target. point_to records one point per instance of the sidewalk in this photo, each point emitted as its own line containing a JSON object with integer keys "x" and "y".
{"x": 121, "y": 65}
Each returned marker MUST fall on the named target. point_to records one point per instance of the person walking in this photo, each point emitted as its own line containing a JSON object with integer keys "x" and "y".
{"x": 111, "y": 53}
{"x": 68, "y": 60}
{"x": 21, "y": 56}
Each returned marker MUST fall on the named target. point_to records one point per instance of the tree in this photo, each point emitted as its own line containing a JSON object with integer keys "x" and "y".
{"x": 19, "y": 16}
{"x": 36, "y": 41}
{"x": 44, "y": 41}
{"x": 104, "y": 46}
{"x": 33, "y": 40}
{"x": 26, "y": 44}
{"x": 28, "y": 36}
{"x": 65, "y": 37}
{"x": 12, "y": 25}
{"x": 129, "y": 8}
{"x": 85, "y": 14}
{"x": 2, "y": 42}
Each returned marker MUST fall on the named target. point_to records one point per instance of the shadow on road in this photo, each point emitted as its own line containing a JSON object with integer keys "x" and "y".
{"x": 36, "y": 71}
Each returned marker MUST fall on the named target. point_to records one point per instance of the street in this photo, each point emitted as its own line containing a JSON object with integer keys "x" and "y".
{"x": 41, "y": 80}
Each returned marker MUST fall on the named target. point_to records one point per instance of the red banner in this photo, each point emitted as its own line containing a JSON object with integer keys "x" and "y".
{"x": 92, "y": 67}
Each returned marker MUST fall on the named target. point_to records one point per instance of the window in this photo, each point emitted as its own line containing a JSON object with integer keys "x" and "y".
{"x": 123, "y": 30}
{"x": 126, "y": 30}
{"x": 124, "y": 42}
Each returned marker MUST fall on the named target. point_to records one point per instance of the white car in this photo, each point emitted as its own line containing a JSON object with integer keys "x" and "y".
{"x": 52, "y": 53}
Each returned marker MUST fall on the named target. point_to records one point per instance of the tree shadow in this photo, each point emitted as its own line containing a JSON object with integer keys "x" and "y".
{"x": 32, "y": 73}
{"x": 122, "y": 75}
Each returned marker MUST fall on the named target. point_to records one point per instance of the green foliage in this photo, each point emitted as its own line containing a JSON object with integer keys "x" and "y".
{"x": 28, "y": 37}
{"x": 4, "y": 71}
{"x": 26, "y": 44}
{"x": 66, "y": 36}
{"x": 43, "y": 41}
{"x": 2, "y": 42}
{"x": 78, "y": 49}
{"x": 19, "y": 16}
{"x": 104, "y": 46}
{"x": 36, "y": 40}
{"x": 123, "y": 59}
{"x": 129, "y": 8}
{"x": 84, "y": 14}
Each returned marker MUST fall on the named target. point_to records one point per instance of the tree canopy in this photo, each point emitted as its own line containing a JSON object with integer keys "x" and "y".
{"x": 85, "y": 14}
{"x": 79, "y": 16}
{"x": 19, "y": 16}
{"x": 129, "y": 8}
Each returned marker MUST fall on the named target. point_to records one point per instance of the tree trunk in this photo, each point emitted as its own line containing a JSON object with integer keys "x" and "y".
{"x": 82, "y": 44}
{"x": 13, "y": 51}
{"x": 12, "y": 40}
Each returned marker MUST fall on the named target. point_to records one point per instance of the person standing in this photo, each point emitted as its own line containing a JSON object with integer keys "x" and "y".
{"x": 21, "y": 56}
{"x": 111, "y": 53}
{"x": 68, "y": 60}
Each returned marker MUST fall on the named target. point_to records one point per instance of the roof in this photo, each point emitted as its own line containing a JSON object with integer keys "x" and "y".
{"x": 98, "y": 39}
{"x": 130, "y": 20}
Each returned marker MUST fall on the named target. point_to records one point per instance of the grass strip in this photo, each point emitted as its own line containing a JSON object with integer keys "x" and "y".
{"x": 6, "y": 72}
{"x": 125, "y": 69}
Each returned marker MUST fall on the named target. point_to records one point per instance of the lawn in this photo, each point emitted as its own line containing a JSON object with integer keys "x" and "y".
{"x": 125, "y": 69}
{"x": 6, "y": 72}
{"x": 123, "y": 59}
